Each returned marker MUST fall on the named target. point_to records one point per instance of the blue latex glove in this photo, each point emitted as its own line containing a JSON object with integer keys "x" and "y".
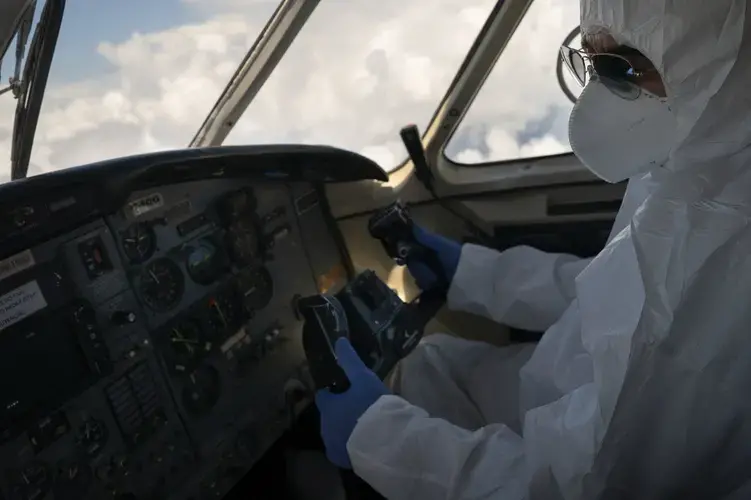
{"x": 448, "y": 252}
{"x": 340, "y": 412}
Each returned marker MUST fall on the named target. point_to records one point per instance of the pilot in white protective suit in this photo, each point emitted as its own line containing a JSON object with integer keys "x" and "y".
{"x": 640, "y": 386}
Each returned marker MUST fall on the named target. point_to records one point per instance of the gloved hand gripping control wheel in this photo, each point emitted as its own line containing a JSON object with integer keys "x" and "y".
{"x": 381, "y": 330}
{"x": 325, "y": 323}
{"x": 380, "y": 327}
{"x": 393, "y": 226}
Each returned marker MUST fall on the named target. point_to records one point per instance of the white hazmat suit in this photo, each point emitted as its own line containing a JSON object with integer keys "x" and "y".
{"x": 639, "y": 387}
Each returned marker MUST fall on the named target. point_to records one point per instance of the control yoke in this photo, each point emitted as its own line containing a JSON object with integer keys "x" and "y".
{"x": 381, "y": 327}
{"x": 393, "y": 226}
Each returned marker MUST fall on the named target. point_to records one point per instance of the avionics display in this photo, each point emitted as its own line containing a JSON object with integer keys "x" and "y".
{"x": 46, "y": 359}
{"x": 50, "y": 346}
{"x": 43, "y": 362}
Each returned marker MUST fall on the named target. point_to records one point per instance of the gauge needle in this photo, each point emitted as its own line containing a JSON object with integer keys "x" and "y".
{"x": 154, "y": 276}
{"x": 179, "y": 339}
{"x": 221, "y": 314}
{"x": 184, "y": 341}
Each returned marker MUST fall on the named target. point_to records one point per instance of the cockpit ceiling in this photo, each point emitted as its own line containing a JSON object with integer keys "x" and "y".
{"x": 11, "y": 14}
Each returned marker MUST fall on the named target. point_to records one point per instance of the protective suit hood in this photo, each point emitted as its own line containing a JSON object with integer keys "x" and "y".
{"x": 696, "y": 47}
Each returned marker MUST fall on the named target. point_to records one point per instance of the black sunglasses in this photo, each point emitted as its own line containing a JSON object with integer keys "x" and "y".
{"x": 613, "y": 70}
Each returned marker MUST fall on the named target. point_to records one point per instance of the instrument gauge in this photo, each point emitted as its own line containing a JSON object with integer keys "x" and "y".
{"x": 256, "y": 288}
{"x": 186, "y": 339}
{"x": 204, "y": 263}
{"x": 225, "y": 313}
{"x": 139, "y": 242}
{"x": 162, "y": 285}
{"x": 92, "y": 436}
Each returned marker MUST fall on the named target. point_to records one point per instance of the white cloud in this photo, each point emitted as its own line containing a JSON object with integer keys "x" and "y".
{"x": 358, "y": 72}
{"x": 361, "y": 70}
{"x": 522, "y": 93}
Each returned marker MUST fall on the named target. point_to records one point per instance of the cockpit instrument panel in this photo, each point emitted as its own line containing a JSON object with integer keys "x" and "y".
{"x": 143, "y": 344}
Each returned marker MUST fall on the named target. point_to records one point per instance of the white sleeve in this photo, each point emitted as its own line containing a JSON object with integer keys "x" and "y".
{"x": 403, "y": 453}
{"x": 520, "y": 287}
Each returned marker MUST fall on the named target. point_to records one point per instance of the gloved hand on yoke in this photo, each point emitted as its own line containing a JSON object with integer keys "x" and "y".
{"x": 340, "y": 412}
{"x": 447, "y": 251}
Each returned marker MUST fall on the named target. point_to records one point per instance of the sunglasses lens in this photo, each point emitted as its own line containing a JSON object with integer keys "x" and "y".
{"x": 612, "y": 67}
{"x": 616, "y": 74}
{"x": 575, "y": 63}
{"x": 580, "y": 67}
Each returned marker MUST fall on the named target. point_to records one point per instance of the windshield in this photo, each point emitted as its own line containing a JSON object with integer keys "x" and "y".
{"x": 359, "y": 71}
{"x": 133, "y": 77}
{"x": 496, "y": 127}
{"x": 140, "y": 76}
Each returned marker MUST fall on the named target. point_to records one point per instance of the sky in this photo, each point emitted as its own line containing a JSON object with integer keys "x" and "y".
{"x": 138, "y": 76}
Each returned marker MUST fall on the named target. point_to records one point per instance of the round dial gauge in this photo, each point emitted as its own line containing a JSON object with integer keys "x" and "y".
{"x": 203, "y": 263}
{"x": 225, "y": 313}
{"x": 201, "y": 391}
{"x": 92, "y": 436}
{"x": 256, "y": 288}
{"x": 187, "y": 344}
{"x": 162, "y": 285}
{"x": 139, "y": 242}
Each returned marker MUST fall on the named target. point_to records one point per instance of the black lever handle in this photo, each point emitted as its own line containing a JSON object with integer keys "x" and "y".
{"x": 413, "y": 143}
